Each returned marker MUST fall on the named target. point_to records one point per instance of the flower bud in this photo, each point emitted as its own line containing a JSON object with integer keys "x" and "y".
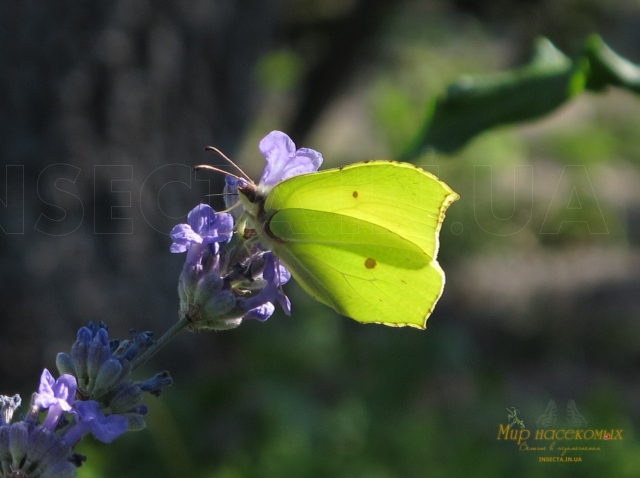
{"x": 215, "y": 311}
{"x": 18, "y": 443}
{"x": 39, "y": 441}
{"x": 108, "y": 375}
{"x": 58, "y": 450}
{"x": 209, "y": 286}
{"x": 79, "y": 355}
{"x": 140, "y": 343}
{"x": 65, "y": 364}
{"x": 127, "y": 396}
{"x": 155, "y": 384}
{"x": 97, "y": 355}
{"x": 5, "y": 454}
{"x": 187, "y": 284}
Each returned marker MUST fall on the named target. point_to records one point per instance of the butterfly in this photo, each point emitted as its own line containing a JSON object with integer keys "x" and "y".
{"x": 362, "y": 238}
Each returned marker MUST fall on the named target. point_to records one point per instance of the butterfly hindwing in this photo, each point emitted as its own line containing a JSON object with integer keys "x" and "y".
{"x": 359, "y": 269}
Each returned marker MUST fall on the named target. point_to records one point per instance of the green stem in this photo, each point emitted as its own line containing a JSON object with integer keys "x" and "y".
{"x": 161, "y": 342}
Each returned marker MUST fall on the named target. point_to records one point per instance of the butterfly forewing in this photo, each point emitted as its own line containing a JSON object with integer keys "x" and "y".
{"x": 399, "y": 197}
{"x": 363, "y": 238}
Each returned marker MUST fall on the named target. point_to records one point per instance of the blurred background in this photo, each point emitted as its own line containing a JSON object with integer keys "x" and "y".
{"x": 106, "y": 105}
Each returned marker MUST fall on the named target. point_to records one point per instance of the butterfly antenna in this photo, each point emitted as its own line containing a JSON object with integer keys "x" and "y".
{"x": 227, "y": 159}
{"x": 219, "y": 194}
{"x": 213, "y": 168}
{"x": 235, "y": 205}
{"x": 229, "y": 209}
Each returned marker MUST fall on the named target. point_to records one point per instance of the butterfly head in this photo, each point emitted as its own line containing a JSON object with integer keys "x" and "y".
{"x": 249, "y": 196}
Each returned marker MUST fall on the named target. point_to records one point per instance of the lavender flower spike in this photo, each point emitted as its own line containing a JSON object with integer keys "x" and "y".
{"x": 284, "y": 161}
{"x": 56, "y": 395}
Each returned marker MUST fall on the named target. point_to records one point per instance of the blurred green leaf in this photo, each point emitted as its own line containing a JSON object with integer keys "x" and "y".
{"x": 476, "y": 103}
{"x": 606, "y": 67}
{"x": 280, "y": 71}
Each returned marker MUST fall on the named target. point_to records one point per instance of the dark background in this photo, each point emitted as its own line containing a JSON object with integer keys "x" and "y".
{"x": 106, "y": 105}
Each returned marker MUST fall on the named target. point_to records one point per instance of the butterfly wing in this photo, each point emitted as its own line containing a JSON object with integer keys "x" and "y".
{"x": 363, "y": 239}
{"x": 397, "y": 196}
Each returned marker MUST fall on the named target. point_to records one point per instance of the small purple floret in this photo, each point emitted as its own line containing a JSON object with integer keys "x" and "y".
{"x": 261, "y": 313}
{"x": 91, "y": 420}
{"x": 56, "y": 395}
{"x": 284, "y": 161}
{"x": 203, "y": 227}
{"x": 260, "y": 306}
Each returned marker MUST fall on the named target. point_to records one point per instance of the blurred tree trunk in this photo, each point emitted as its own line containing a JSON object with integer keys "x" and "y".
{"x": 96, "y": 99}
{"x": 104, "y": 108}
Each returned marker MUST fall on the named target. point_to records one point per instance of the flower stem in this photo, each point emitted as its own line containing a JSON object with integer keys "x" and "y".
{"x": 161, "y": 342}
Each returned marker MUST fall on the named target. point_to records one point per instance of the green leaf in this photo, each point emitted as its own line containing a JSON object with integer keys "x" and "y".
{"x": 474, "y": 104}
{"x": 606, "y": 67}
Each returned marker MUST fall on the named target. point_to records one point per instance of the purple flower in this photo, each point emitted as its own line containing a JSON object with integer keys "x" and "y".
{"x": 284, "y": 161}
{"x": 56, "y": 395}
{"x": 204, "y": 226}
{"x": 216, "y": 280}
{"x": 261, "y": 313}
{"x": 91, "y": 420}
{"x": 261, "y": 306}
